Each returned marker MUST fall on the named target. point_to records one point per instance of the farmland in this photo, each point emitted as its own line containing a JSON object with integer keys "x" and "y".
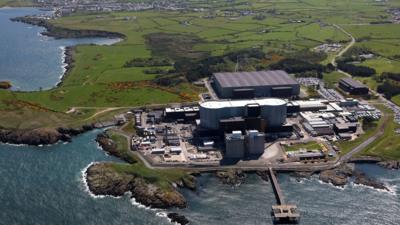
{"x": 100, "y": 77}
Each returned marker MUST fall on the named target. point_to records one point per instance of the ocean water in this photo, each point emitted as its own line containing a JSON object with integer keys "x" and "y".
{"x": 44, "y": 185}
{"x": 28, "y": 59}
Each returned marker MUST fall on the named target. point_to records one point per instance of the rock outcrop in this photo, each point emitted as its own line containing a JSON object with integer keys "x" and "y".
{"x": 300, "y": 175}
{"x": 231, "y": 177}
{"x": 102, "y": 179}
{"x": 264, "y": 174}
{"x": 176, "y": 218}
{"x": 111, "y": 148}
{"x": 391, "y": 164}
{"x": 361, "y": 178}
{"x": 338, "y": 176}
{"x": 40, "y": 136}
{"x": 341, "y": 176}
{"x": 5, "y": 85}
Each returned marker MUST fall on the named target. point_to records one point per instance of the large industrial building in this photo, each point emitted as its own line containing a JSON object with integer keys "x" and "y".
{"x": 270, "y": 110}
{"x": 239, "y": 145}
{"x": 246, "y": 85}
{"x": 235, "y": 145}
{"x": 353, "y": 87}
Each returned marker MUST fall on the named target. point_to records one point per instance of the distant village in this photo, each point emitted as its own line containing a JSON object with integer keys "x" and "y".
{"x": 66, "y": 7}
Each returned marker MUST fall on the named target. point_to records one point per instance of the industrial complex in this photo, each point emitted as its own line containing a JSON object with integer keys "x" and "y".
{"x": 262, "y": 124}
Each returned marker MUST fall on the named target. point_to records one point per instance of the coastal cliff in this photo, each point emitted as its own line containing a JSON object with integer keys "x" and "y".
{"x": 103, "y": 179}
{"x": 40, "y": 136}
{"x": 60, "y": 32}
{"x": 150, "y": 187}
{"x": 341, "y": 175}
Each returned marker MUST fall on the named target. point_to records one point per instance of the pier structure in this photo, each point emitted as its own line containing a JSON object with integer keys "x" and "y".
{"x": 282, "y": 213}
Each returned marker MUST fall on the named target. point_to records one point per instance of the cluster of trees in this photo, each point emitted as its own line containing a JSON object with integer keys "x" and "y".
{"x": 169, "y": 80}
{"x": 143, "y": 62}
{"x": 292, "y": 65}
{"x": 196, "y": 69}
{"x": 389, "y": 88}
{"x": 358, "y": 71}
{"x": 158, "y": 71}
{"x": 391, "y": 84}
{"x": 392, "y": 76}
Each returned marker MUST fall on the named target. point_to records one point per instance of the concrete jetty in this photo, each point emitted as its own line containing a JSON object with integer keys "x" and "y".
{"x": 282, "y": 213}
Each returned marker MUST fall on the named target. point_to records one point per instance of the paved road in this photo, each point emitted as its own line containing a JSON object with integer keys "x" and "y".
{"x": 352, "y": 42}
{"x": 363, "y": 145}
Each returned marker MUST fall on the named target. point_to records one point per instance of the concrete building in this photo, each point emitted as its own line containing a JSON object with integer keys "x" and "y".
{"x": 234, "y": 145}
{"x": 272, "y": 110}
{"x": 247, "y": 85}
{"x": 353, "y": 87}
{"x": 255, "y": 142}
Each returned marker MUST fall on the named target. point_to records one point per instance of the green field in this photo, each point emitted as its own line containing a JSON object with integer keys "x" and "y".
{"x": 331, "y": 79}
{"x": 387, "y": 146}
{"x": 100, "y": 79}
{"x": 312, "y": 145}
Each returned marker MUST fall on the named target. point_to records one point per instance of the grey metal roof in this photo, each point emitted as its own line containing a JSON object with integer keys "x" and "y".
{"x": 251, "y": 79}
{"x": 353, "y": 83}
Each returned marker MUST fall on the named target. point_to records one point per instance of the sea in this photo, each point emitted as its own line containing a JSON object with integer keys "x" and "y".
{"x": 45, "y": 185}
{"x": 30, "y": 60}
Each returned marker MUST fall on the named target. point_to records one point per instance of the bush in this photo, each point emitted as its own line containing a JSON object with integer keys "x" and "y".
{"x": 389, "y": 88}
{"x": 297, "y": 66}
{"x": 140, "y": 62}
{"x": 392, "y": 76}
{"x": 358, "y": 71}
{"x": 168, "y": 80}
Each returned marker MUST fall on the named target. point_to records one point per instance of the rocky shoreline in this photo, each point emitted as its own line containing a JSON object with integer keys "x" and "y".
{"x": 103, "y": 179}
{"x": 40, "y": 136}
{"x": 176, "y": 218}
{"x": 59, "y": 32}
{"x": 68, "y": 62}
{"x": 232, "y": 177}
{"x": 341, "y": 175}
{"x": 111, "y": 148}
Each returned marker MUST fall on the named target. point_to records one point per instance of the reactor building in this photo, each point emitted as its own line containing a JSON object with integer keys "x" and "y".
{"x": 258, "y": 84}
{"x": 218, "y": 113}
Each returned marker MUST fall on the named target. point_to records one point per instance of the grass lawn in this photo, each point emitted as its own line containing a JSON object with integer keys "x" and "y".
{"x": 347, "y": 146}
{"x": 312, "y": 145}
{"x": 331, "y": 79}
{"x": 387, "y": 146}
{"x": 396, "y": 99}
